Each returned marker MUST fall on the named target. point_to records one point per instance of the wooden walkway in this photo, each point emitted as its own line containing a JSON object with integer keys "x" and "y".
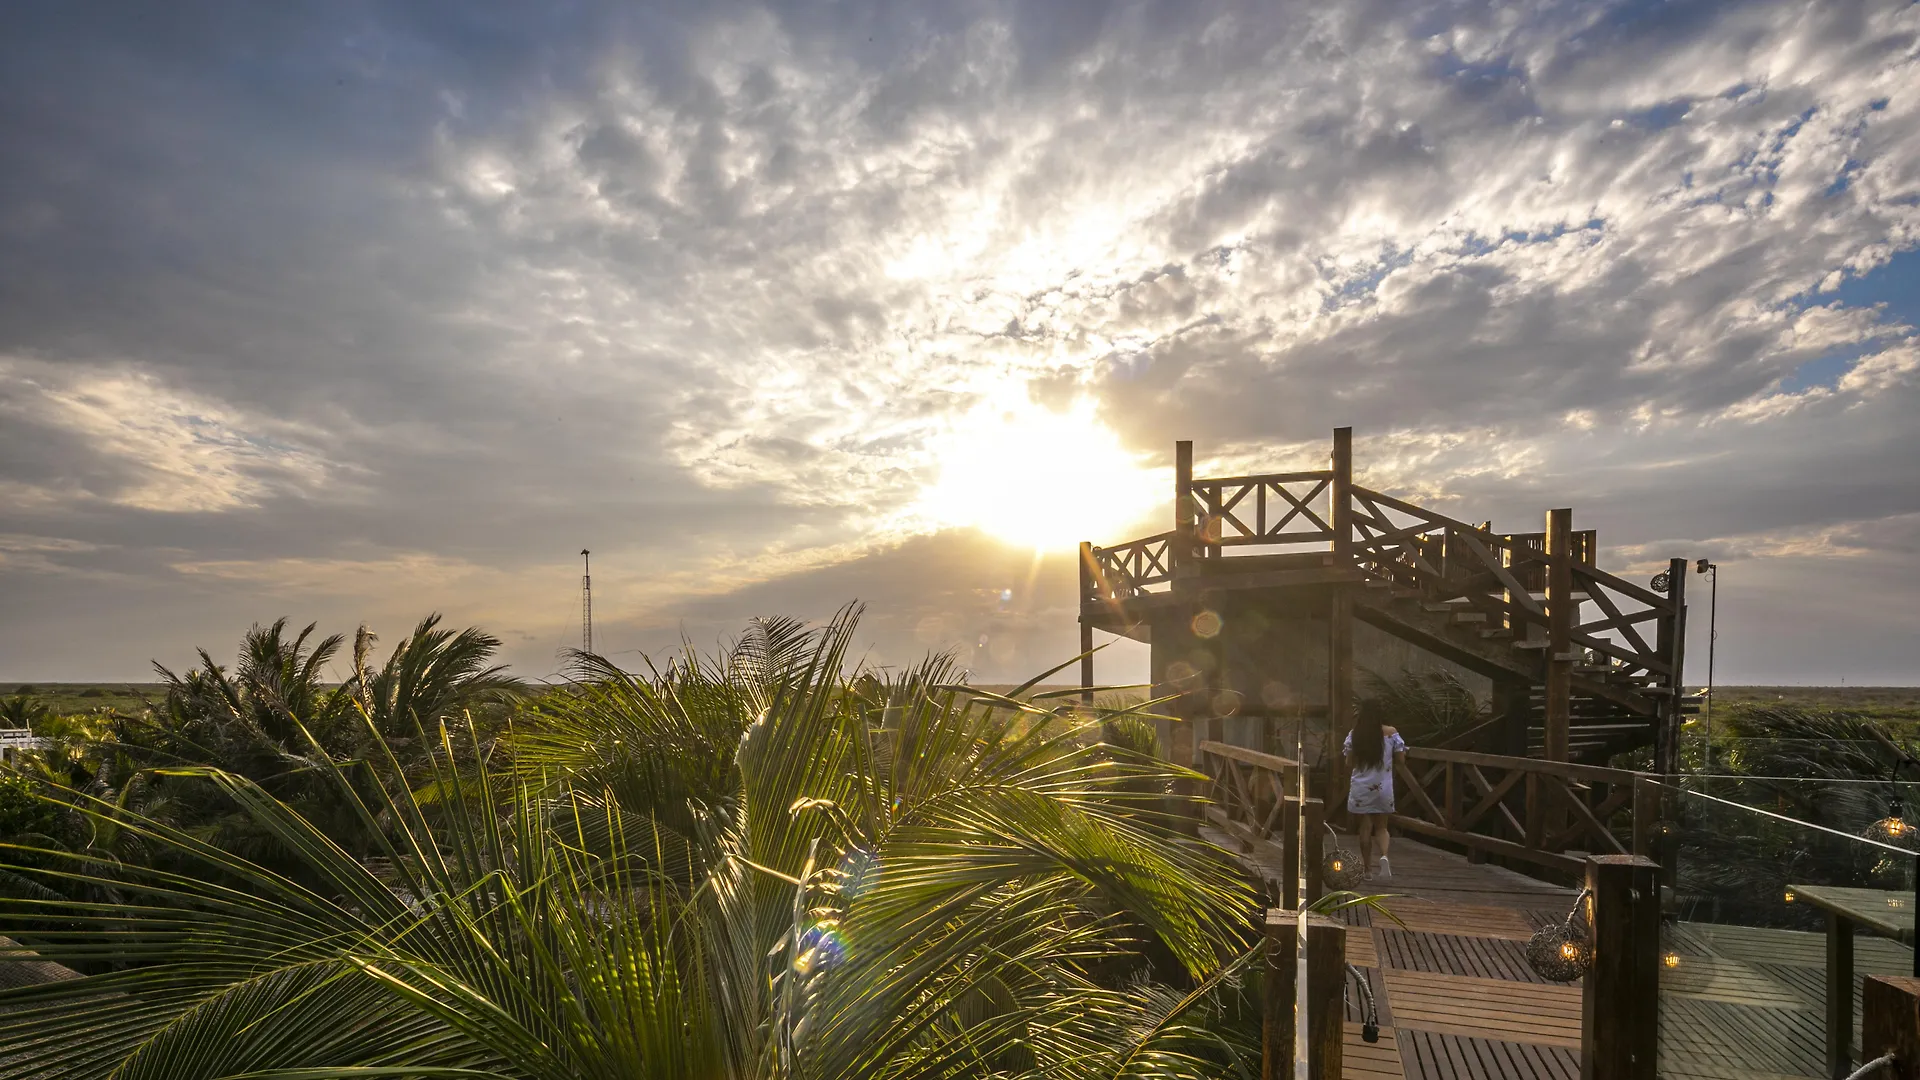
{"x": 1457, "y": 1000}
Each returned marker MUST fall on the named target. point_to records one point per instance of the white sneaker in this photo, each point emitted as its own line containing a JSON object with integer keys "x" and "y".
{"x": 1384, "y": 872}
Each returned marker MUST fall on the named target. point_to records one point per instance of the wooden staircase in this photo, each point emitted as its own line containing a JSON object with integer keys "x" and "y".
{"x": 1486, "y": 601}
{"x": 1586, "y": 664}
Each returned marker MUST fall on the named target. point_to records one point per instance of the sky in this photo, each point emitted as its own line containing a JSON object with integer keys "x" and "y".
{"x": 354, "y": 311}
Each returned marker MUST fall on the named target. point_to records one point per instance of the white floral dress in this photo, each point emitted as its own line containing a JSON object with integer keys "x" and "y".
{"x": 1370, "y": 791}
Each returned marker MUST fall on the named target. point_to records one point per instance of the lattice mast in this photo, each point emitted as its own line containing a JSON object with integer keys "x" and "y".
{"x": 586, "y": 601}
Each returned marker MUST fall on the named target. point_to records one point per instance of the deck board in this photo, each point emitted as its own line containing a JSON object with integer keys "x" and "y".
{"x": 1485, "y": 1008}
{"x": 1371, "y": 1061}
{"x": 1457, "y": 1000}
{"x": 1456, "y": 954}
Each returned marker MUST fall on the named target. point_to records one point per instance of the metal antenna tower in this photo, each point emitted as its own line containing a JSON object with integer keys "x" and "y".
{"x": 586, "y": 601}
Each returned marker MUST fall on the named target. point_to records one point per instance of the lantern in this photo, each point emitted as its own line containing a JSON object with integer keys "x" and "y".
{"x": 1564, "y": 951}
{"x": 1895, "y": 828}
{"x": 1340, "y": 869}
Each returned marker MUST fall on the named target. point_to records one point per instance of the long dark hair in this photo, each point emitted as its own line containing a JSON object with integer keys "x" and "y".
{"x": 1369, "y": 741}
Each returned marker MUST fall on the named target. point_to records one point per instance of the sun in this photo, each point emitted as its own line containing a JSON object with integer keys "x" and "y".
{"x": 1030, "y": 476}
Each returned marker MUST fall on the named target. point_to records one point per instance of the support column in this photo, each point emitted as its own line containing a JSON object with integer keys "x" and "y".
{"x": 1839, "y": 996}
{"x": 1620, "y": 1000}
{"x": 1560, "y": 617}
{"x": 1672, "y": 645}
{"x": 1339, "y": 611}
{"x": 1181, "y": 549}
{"x": 1513, "y": 704}
{"x": 1087, "y": 596}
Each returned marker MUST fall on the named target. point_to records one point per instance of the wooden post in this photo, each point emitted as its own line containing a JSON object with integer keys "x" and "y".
{"x": 1890, "y": 1023}
{"x": 1326, "y": 999}
{"x": 1326, "y": 983}
{"x": 1671, "y": 641}
{"x": 1620, "y": 1001}
{"x": 1314, "y": 848}
{"x": 1086, "y": 628}
{"x": 1181, "y": 549}
{"x": 1512, "y": 704}
{"x": 1340, "y": 607}
{"x": 1839, "y": 995}
{"x": 1278, "y": 994}
{"x": 1646, "y": 819}
{"x": 1290, "y": 853}
{"x": 1560, "y": 621}
{"x": 1340, "y": 494}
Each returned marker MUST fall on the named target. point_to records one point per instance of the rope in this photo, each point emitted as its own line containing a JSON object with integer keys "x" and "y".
{"x": 1875, "y": 1065}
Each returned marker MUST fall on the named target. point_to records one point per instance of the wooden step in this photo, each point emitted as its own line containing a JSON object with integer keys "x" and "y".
{"x": 1500, "y": 633}
{"x": 1469, "y": 616}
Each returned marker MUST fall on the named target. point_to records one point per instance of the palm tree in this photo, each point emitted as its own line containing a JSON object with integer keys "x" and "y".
{"x": 434, "y": 675}
{"x": 21, "y": 711}
{"x": 792, "y": 873}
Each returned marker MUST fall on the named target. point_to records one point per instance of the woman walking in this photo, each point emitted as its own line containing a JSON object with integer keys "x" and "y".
{"x": 1372, "y": 750}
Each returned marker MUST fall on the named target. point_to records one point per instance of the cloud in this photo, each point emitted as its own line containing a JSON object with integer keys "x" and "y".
{"x": 374, "y": 305}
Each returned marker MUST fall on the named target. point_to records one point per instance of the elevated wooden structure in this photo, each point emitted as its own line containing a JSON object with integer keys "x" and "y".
{"x": 1257, "y": 599}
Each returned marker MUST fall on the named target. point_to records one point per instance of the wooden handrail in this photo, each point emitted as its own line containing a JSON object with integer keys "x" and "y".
{"x": 1565, "y": 770}
{"x": 1267, "y": 478}
{"x": 1251, "y": 757}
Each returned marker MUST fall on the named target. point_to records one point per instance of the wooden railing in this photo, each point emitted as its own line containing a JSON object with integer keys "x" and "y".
{"x": 1255, "y": 798}
{"x": 1132, "y": 568}
{"x": 1525, "y": 808}
{"x": 1627, "y": 639}
{"x": 1269, "y": 509}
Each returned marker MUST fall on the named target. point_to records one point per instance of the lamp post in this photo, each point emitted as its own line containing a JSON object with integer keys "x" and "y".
{"x": 1702, "y": 566}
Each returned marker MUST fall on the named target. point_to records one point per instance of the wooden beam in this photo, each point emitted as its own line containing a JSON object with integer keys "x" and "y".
{"x": 1489, "y": 844}
{"x": 1086, "y": 628}
{"x": 1839, "y": 995}
{"x": 1314, "y": 831}
{"x": 1560, "y": 622}
{"x": 1341, "y": 492}
{"x": 1271, "y": 762}
{"x": 1620, "y": 999}
{"x": 1180, "y": 548}
{"x": 1671, "y": 641}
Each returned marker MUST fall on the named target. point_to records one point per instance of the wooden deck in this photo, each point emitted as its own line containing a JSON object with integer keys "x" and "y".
{"x": 1458, "y": 1001}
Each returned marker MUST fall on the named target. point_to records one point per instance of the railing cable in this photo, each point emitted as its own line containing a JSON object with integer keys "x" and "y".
{"x": 1792, "y": 820}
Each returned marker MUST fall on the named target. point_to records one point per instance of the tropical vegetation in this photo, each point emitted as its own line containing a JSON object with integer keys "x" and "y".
{"x": 764, "y": 863}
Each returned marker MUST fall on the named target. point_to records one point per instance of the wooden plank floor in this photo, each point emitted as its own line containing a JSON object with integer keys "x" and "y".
{"x": 1457, "y": 999}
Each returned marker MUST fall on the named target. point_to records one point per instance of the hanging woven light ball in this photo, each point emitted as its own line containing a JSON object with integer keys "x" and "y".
{"x": 1340, "y": 869}
{"x": 1564, "y": 951}
{"x": 1557, "y": 955}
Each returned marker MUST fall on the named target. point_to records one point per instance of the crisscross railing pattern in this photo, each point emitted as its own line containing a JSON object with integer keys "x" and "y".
{"x": 1620, "y": 636}
{"x": 1504, "y": 575}
{"x": 1129, "y": 569}
{"x": 1270, "y": 509}
{"x": 1526, "y": 808}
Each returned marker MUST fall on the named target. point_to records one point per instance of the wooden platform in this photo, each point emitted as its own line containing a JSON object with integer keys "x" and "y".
{"x": 1458, "y": 1001}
